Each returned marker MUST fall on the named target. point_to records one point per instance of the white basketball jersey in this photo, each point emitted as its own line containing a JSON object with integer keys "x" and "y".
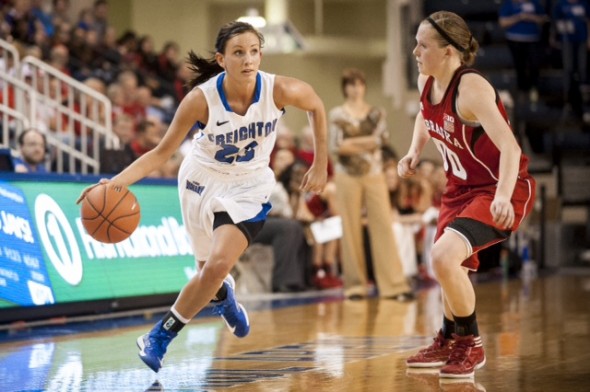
{"x": 233, "y": 144}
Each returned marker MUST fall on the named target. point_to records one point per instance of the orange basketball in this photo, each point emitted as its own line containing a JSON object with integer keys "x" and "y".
{"x": 110, "y": 213}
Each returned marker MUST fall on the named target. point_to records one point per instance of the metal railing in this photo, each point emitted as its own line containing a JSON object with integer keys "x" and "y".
{"x": 76, "y": 119}
{"x": 11, "y": 96}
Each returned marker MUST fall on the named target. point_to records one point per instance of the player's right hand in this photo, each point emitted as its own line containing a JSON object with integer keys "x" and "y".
{"x": 406, "y": 166}
{"x": 88, "y": 189}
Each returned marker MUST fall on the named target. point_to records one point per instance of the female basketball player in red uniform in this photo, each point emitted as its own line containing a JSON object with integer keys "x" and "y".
{"x": 489, "y": 191}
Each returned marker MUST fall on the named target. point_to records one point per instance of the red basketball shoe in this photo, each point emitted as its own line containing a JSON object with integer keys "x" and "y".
{"x": 434, "y": 355}
{"x": 467, "y": 355}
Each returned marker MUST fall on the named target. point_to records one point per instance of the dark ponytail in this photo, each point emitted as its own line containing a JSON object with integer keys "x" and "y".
{"x": 204, "y": 68}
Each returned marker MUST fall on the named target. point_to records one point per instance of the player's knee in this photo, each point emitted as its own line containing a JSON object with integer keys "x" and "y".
{"x": 217, "y": 268}
{"x": 442, "y": 264}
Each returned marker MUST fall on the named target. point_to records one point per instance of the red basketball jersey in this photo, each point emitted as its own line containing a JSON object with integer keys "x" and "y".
{"x": 469, "y": 156}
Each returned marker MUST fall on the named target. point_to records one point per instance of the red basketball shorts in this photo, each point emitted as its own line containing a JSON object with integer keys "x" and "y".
{"x": 467, "y": 211}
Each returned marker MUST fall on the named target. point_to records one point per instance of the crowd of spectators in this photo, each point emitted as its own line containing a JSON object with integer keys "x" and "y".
{"x": 140, "y": 80}
{"x": 145, "y": 85}
{"x": 549, "y": 34}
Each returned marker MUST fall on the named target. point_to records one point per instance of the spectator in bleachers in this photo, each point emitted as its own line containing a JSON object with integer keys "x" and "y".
{"x": 109, "y": 45}
{"x": 127, "y": 46}
{"x": 304, "y": 150}
{"x": 283, "y": 158}
{"x": 285, "y": 140}
{"x": 405, "y": 227}
{"x": 32, "y": 148}
{"x": 129, "y": 83}
{"x": 149, "y": 133}
{"x": 4, "y": 26}
{"x": 570, "y": 22}
{"x": 108, "y": 59}
{"x": 7, "y": 63}
{"x": 415, "y": 203}
{"x": 134, "y": 144}
{"x": 152, "y": 106}
{"x": 60, "y": 12}
{"x": 41, "y": 17}
{"x": 124, "y": 128}
{"x": 308, "y": 208}
{"x": 389, "y": 155}
{"x": 117, "y": 98}
{"x": 66, "y": 126}
{"x": 86, "y": 52}
{"x": 38, "y": 36}
{"x": 100, "y": 13}
{"x": 94, "y": 109}
{"x": 18, "y": 20}
{"x": 115, "y": 160}
{"x": 35, "y": 51}
{"x": 290, "y": 250}
{"x": 85, "y": 19}
{"x": 167, "y": 64}
{"x": 59, "y": 58}
{"x": 47, "y": 118}
{"x": 311, "y": 208}
{"x": 63, "y": 34}
{"x": 168, "y": 61}
{"x": 522, "y": 21}
{"x": 146, "y": 58}
{"x": 181, "y": 82}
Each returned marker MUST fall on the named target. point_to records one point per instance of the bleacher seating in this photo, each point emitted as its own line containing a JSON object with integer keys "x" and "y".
{"x": 494, "y": 57}
{"x": 83, "y": 116}
{"x": 471, "y": 10}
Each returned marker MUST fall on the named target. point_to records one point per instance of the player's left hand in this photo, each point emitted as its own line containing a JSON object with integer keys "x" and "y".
{"x": 314, "y": 180}
{"x": 502, "y": 212}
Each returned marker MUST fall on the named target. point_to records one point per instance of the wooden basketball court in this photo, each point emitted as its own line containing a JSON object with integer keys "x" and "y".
{"x": 537, "y": 338}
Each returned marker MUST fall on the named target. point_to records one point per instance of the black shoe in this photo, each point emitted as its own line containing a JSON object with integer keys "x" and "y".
{"x": 155, "y": 387}
{"x": 289, "y": 288}
{"x": 356, "y": 297}
{"x": 403, "y": 297}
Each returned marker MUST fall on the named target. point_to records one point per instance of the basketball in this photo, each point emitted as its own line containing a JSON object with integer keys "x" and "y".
{"x": 110, "y": 213}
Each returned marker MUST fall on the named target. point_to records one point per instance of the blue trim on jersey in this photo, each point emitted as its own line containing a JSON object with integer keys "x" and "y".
{"x": 266, "y": 207}
{"x": 258, "y": 88}
{"x": 198, "y": 125}
{"x": 221, "y": 93}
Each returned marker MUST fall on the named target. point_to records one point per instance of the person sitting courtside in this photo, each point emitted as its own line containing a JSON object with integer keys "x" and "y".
{"x": 32, "y": 148}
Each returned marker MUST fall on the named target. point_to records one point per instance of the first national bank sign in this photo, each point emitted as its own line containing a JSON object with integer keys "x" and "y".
{"x": 47, "y": 257}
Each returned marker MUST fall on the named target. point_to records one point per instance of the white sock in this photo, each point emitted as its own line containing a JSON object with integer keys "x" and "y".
{"x": 184, "y": 320}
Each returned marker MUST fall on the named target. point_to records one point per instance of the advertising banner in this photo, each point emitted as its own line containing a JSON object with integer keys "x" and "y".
{"x": 23, "y": 276}
{"x": 46, "y": 256}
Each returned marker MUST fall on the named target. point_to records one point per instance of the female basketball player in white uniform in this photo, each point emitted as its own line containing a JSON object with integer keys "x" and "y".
{"x": 225, "y": 182}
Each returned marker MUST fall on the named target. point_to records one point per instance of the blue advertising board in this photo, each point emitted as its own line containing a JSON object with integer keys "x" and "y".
{"x": 23, "y": 275}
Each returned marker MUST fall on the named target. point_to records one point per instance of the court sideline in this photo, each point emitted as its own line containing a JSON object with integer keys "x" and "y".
{"x": 536, "y": 335}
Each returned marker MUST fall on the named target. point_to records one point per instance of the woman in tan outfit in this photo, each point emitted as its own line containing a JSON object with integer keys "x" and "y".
{"x": 357, "y": 132}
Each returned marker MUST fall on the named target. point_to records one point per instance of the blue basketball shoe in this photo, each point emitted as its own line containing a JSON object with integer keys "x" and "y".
{"x": 232, "y": 312}
{"x": 152, "y": 346}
